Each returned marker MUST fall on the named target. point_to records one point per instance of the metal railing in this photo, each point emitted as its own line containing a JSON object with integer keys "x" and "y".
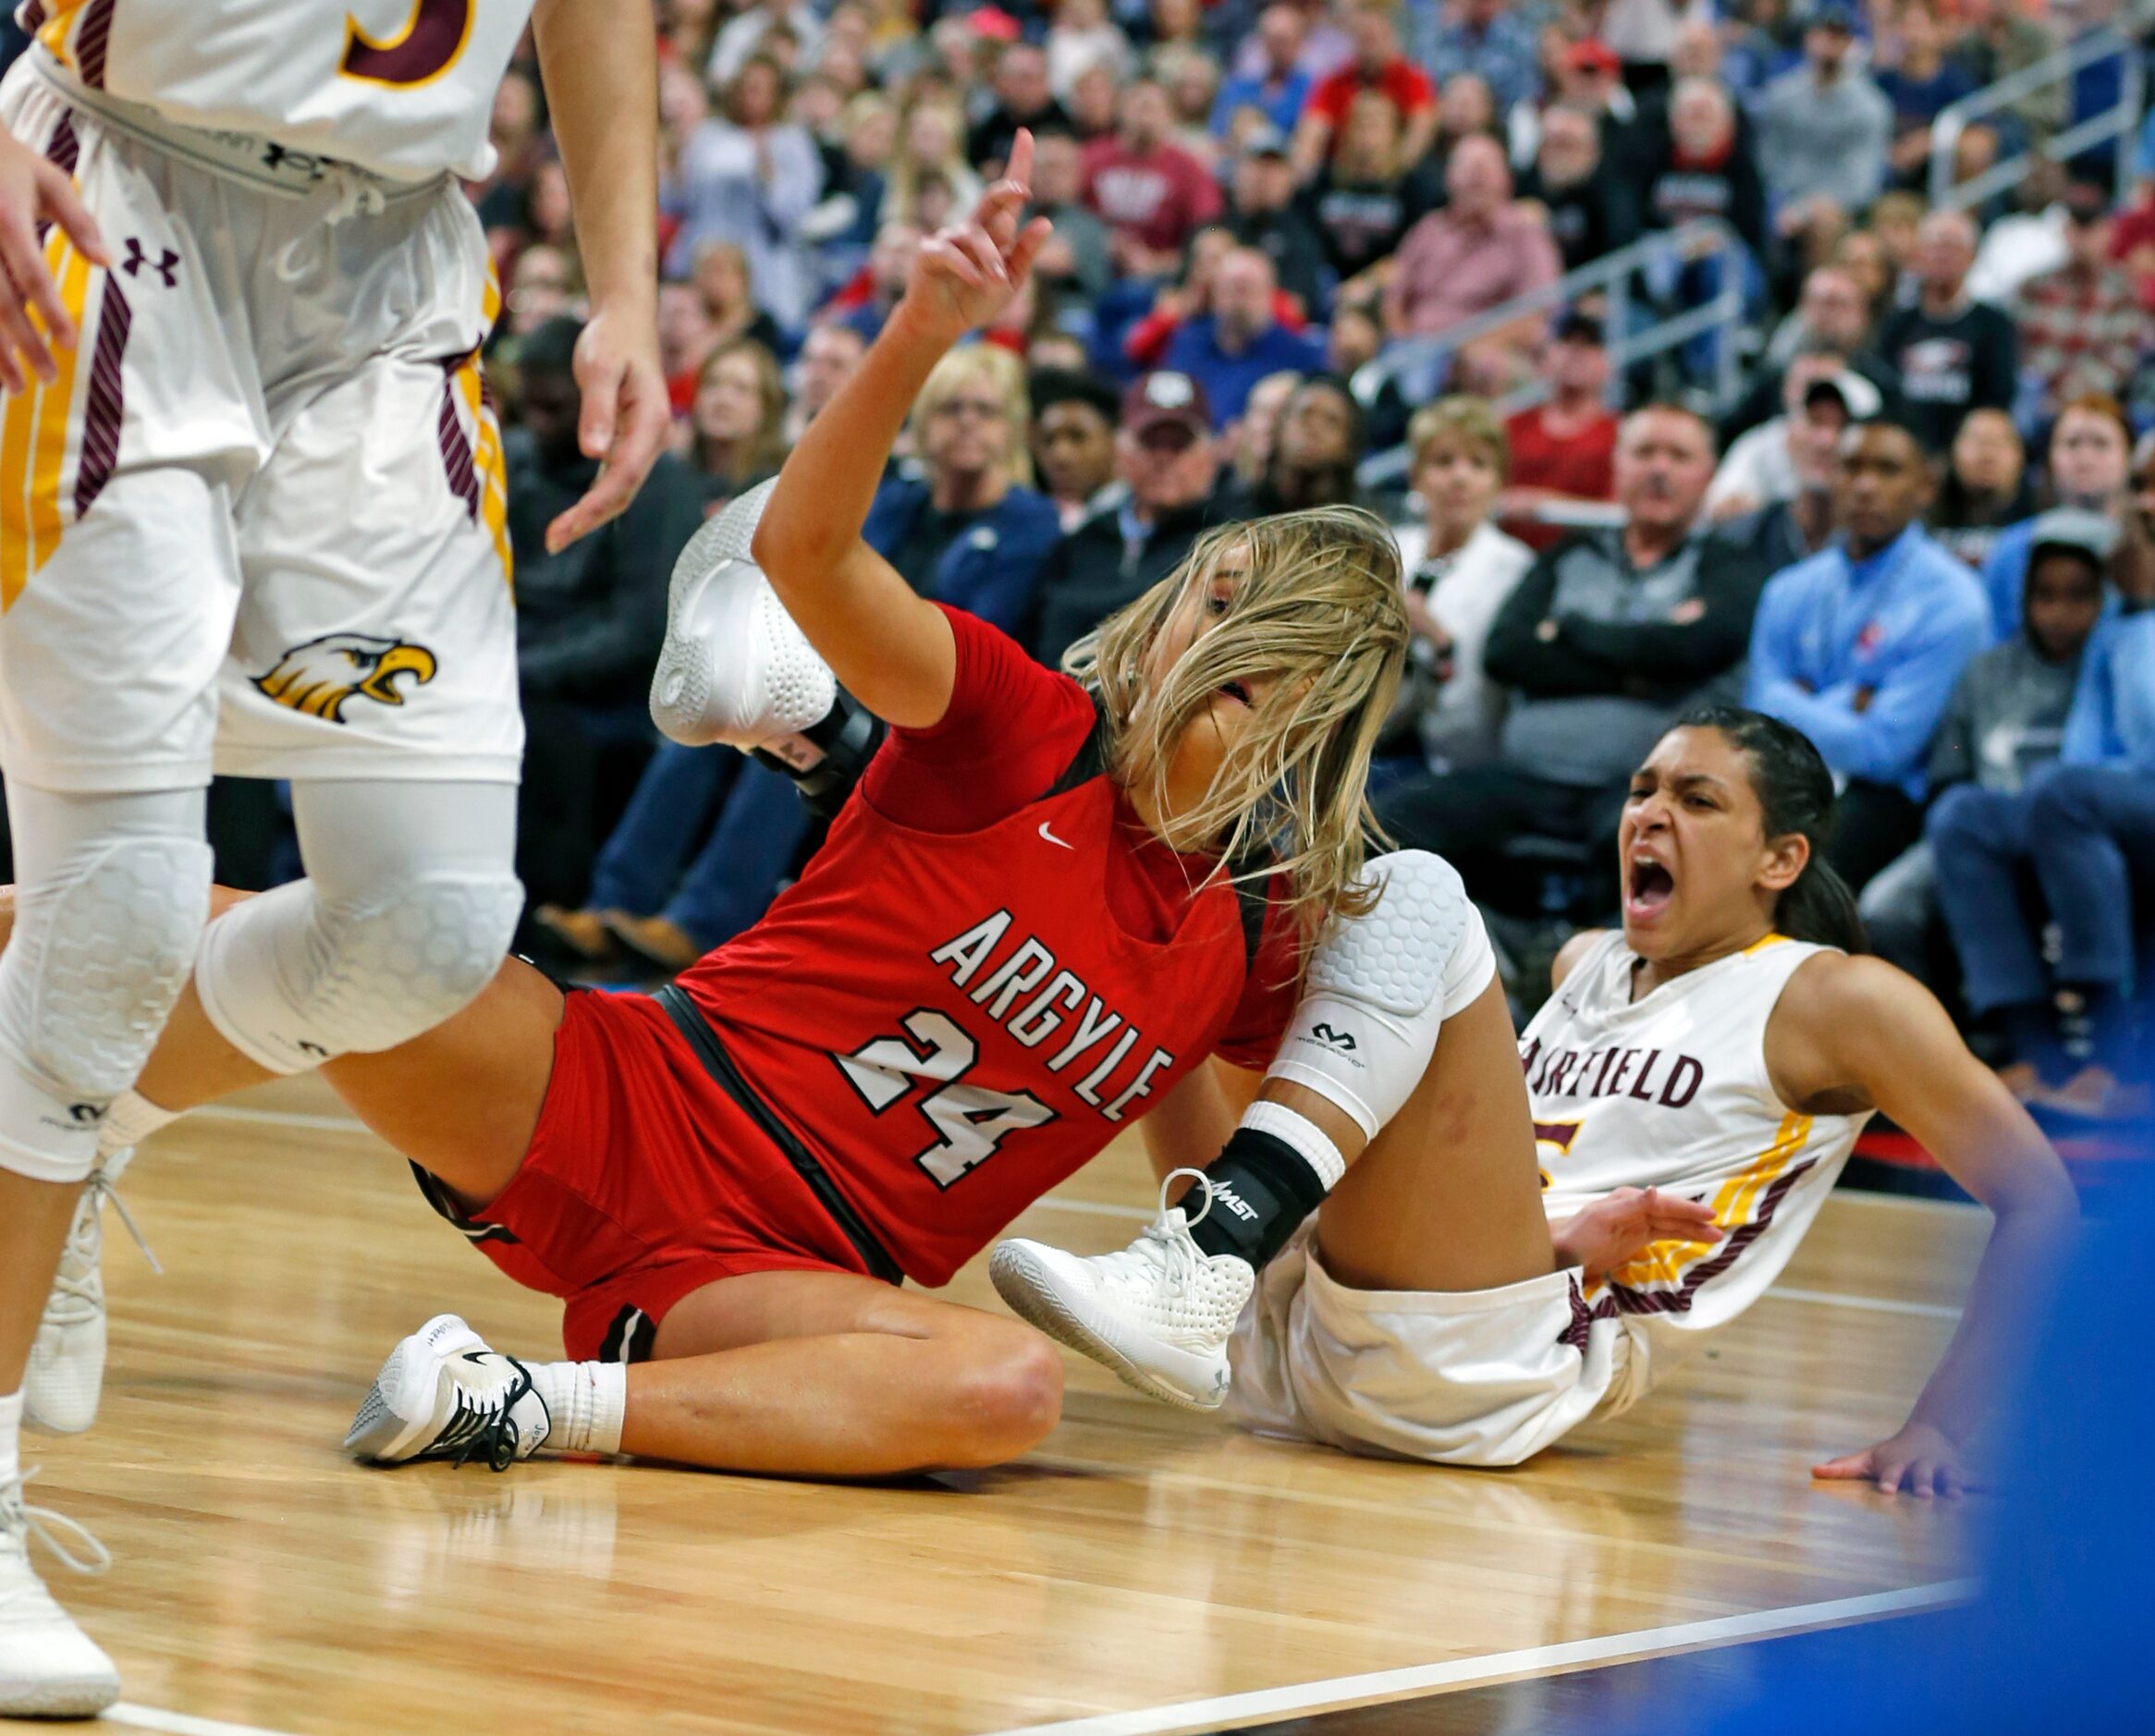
{"x": 1417, "y": 362}
{"x": 2121, "y": 122}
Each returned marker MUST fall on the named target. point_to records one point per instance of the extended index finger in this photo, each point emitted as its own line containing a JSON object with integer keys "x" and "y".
{"x": 1020, "y": 168}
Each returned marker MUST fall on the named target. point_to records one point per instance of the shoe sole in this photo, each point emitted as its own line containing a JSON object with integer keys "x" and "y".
{"x": 71, "y": 1696}
{"x": 397, "y": 1412}
{"x": 680, "y": 684}
{"x": 1030, "y": 1293}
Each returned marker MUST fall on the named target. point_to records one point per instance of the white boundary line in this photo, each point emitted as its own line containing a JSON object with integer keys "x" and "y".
{"x": 1874, "y": 1304}
{"x": 278, "y": 1118}
{"x": 180, "y": 1723}
{"x": 1268, "y": 1704}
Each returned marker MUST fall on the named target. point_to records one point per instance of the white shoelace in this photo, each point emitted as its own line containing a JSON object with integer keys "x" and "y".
{"x": 75, "y": 1285}
{"x": 1163, "y": 1245}
{"x": 356, "y": 196}
{"x": 45, "y": 1526}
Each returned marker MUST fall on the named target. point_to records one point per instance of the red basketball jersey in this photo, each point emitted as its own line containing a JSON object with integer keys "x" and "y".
{"x": 989, "y": 971}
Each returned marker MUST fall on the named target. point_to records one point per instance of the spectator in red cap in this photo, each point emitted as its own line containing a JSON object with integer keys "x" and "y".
{"x": 1169, "y": 462}
{"x": 1377, "y": 65}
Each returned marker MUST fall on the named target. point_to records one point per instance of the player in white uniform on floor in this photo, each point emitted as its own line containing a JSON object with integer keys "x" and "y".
{"x": 1691, "y": 1092}
{"x": 251, "y": 515}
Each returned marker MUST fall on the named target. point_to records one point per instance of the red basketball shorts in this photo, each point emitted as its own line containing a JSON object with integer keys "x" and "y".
{"x": 644, "y": 1181}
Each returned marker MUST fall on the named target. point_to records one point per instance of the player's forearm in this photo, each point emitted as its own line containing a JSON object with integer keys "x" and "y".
{"x": 600, "y": 64}
{"x": 2011, "y": 1293}
{"x": 830, "y": 478}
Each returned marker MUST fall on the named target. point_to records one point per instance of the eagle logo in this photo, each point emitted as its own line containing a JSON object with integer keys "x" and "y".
{"x": 317, "y": 677}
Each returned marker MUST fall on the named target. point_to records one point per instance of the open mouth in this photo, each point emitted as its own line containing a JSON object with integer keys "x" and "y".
{"x": 1236, "y": 691}
{"x": 1649, "y": 887}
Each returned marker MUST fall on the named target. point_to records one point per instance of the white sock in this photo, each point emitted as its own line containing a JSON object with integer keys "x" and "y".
{"x": 10, "y": 1437}
{"x": 586, "y": 1401}
{"x": 130, "y": 1121}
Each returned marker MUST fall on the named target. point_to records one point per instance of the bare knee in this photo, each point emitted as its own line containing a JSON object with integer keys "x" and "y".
{"x": 1006, "y": 1398}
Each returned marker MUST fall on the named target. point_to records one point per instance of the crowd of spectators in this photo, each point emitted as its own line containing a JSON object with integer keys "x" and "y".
{"x": 1287, "y": 234}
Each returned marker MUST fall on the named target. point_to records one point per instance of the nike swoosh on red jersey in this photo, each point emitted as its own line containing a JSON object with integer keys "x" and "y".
{"x": 1052, "y": 838}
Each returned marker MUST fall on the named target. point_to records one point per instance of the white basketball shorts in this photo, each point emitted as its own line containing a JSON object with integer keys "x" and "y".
{"x": 259, "y": 519}
{"x": 1475, "y": 1377}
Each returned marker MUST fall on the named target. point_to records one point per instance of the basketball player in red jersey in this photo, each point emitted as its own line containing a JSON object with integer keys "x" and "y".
{"x": 1042, "y": 911}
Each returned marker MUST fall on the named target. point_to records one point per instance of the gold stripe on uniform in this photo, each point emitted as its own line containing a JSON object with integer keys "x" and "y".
{"x": 56, "y": 406}
{"x": 33, "y": 439}
{"x": 61, "y": 19}
{"x": 1733, "y": 1206}
{"x": 493, "y": 468}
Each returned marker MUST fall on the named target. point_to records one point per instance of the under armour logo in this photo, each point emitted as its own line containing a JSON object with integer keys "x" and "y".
{"x": 1341, "y": 1040}
{"x": 278, "y": 156}
{"x": 86, "y": 1113}
{"x": 166, "y": 265}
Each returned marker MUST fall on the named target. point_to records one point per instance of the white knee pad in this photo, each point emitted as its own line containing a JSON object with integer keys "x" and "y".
{"x": 1379, "y": 987}
{"x": 103, "y": 942}
{"x": 734, "y": 669}
{"x": 292, "y": 980}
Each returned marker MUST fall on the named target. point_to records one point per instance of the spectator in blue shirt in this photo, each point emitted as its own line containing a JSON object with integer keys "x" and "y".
{"x": 1485, "y": 37}
{"x": 1280, "y": 90}
{"x": 1227, "y": 351}
{"x": 2086, "y": 827}
{"x": 1860, "y": 645}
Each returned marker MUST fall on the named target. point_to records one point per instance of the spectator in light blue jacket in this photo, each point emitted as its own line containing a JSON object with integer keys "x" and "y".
{"x": 1860, "y": 645}
{"x": 2086, "y": 827}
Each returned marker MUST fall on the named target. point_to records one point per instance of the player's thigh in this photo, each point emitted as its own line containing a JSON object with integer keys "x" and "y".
{"x": 111, "y": 639}
{"x": 376, "y": 632}
{"x": 759, "y": 1307}
{"x": 463, "y": 1100}
{"x": 1447, "y": 1196}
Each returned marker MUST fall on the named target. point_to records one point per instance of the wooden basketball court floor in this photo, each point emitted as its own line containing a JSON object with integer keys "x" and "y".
{"x": 1144, "y": 1570}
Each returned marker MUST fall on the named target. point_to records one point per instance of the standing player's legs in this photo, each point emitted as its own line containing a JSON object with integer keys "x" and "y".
{"x": 109, "y": 651}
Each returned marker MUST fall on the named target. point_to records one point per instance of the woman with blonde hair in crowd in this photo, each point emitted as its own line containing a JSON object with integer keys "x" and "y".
{"x": 1460, "y": 570}
{"x": 735, "y": 432}
{"x": 931, "y": 146}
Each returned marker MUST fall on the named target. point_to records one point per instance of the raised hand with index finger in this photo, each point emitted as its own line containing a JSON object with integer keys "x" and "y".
{"x": 966, "y": 275}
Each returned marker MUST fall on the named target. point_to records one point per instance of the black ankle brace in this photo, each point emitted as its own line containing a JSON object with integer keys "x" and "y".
{"x": 1262, "y": 1190}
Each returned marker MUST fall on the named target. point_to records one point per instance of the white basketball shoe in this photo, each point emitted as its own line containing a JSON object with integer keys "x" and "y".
{"x": 66, "y": 1375}
{"x": 443, "y": 1394}
{"x": 1158, "y": 1312}
{"x": 49, "y": 1668}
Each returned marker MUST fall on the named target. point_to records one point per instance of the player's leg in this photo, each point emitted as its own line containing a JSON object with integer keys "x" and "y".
{"x": 114, "y": 603}
{"x": 1361, "y": 1061}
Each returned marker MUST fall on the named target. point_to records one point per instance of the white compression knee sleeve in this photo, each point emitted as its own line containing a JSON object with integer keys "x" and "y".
{"x": 113, "y": 893}
{"x": 407, "y": 912}
{"x": 1378, "y": 987}
{"x": 735, "y": 668}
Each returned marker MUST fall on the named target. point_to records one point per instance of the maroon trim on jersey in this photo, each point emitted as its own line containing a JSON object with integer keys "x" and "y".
{"x": 33, "y": 16}
{"x": 63, "y": 148}
{"x": 463, "y": 475}
{"x": 100, "y": 415}
{"x": 89, "y": 43}
{"x": 1679, "y": 1300}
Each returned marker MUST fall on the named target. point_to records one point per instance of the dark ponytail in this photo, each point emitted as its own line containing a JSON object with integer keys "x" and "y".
{"x": 1796, "y": 794}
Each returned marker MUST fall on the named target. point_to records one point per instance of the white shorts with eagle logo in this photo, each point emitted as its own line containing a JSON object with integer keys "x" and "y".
{"x": 259, "y": 520}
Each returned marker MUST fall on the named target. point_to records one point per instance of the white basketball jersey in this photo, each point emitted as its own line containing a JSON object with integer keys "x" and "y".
{"x": 404, "y": 87}
{"x": 1671, "y": 1091}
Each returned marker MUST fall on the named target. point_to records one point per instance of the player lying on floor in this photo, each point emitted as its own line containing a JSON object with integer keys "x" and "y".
{"x": 1724, "y": 1048}
{"x": 1023, "y": 931}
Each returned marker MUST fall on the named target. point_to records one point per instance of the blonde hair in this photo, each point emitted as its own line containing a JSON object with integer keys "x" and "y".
{"x": 1468, "y": 420}
{"x": 1002, "y": 373}
{"x": 1318, "y": 607}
